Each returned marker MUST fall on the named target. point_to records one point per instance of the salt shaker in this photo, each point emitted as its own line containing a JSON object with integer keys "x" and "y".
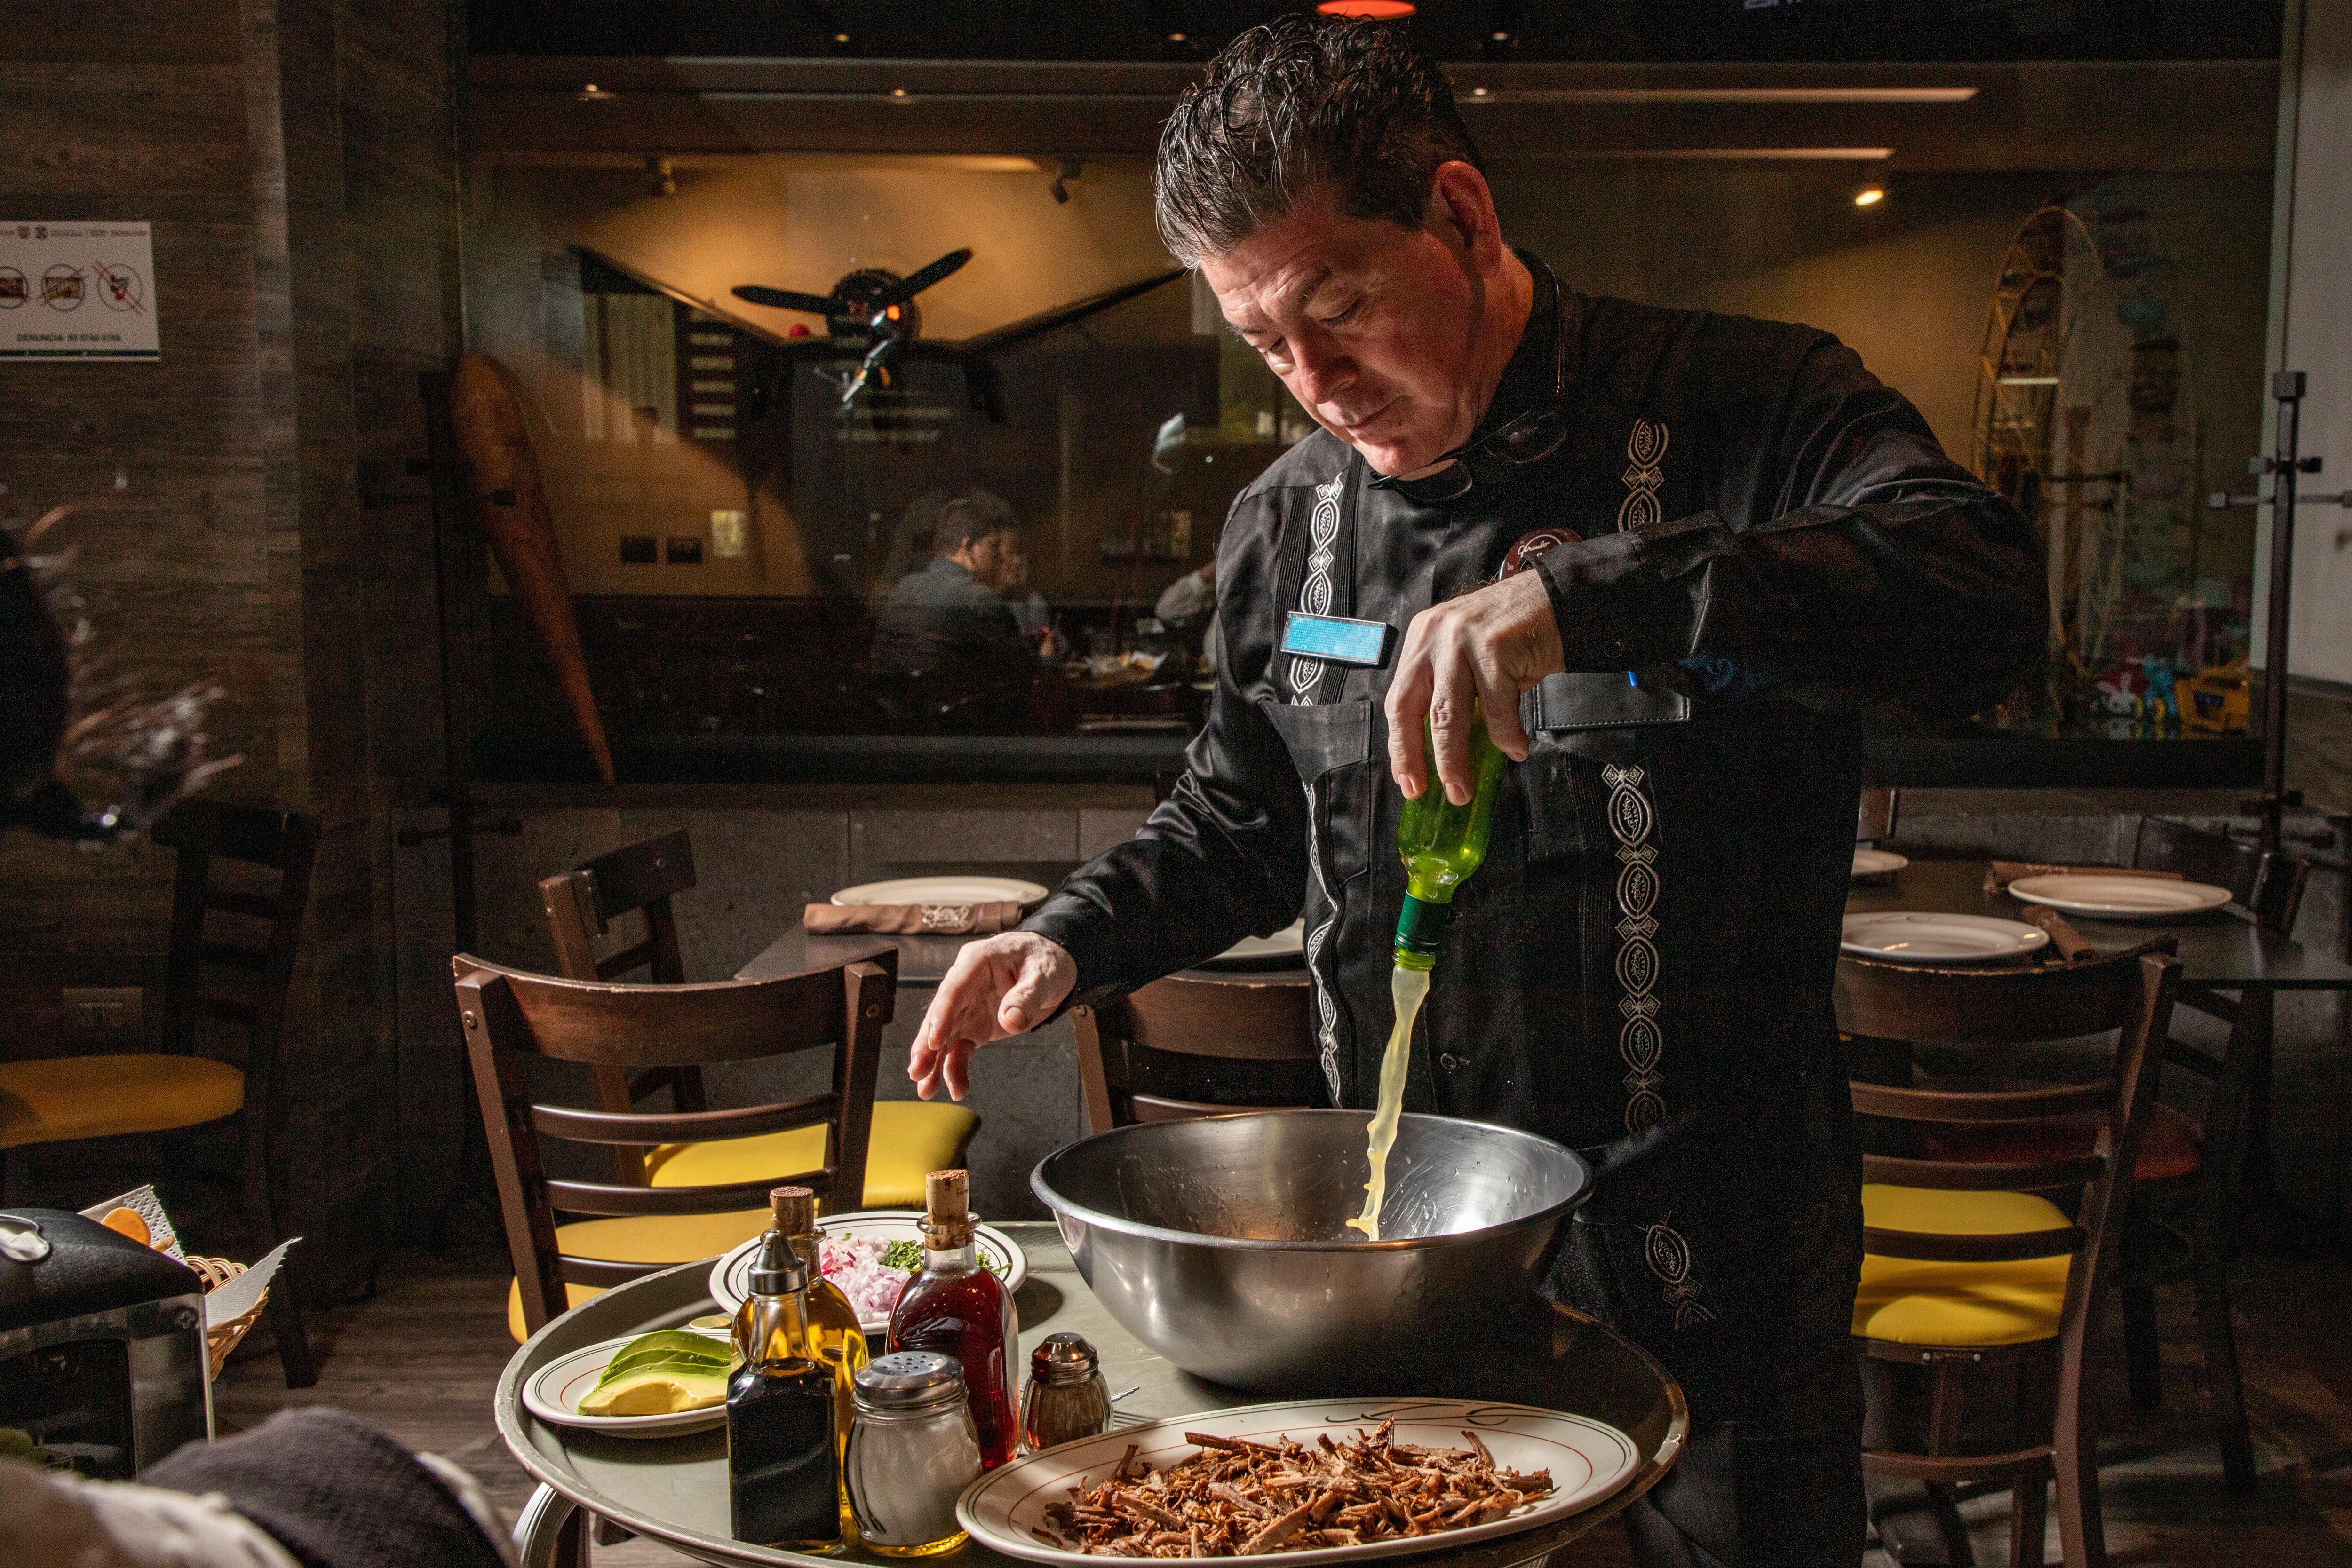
{"x": 912, "y": 1451}
{"x": 1067, "y": 1399}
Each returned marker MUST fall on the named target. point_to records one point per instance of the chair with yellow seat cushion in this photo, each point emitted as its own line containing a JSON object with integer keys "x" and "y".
{"x": 1967, "y": 1266}
{"x": 911, "y": 1138}
{"x": 510, "y": 1016}
{"x": 236, "y": 974}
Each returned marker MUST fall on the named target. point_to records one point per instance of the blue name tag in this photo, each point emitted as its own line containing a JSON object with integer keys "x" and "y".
{"x": 1364, "y": 644}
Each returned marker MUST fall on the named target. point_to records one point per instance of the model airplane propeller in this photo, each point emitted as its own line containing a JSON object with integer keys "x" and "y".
{"x": 873, "y": 305}
{"x": 873, "y": 308}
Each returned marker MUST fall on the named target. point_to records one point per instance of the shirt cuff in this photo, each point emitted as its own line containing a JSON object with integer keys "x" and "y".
{"x": 1627, "y": 601}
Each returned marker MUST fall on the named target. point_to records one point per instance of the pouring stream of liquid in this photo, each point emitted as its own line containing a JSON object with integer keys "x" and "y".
{"x": 1407, "y": 988}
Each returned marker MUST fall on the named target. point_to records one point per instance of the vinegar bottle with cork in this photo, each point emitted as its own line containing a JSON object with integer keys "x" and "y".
{"x": 834, "y": 1337}
{"x": 784, "y": 1453}
{"x": 956, "y": 1308}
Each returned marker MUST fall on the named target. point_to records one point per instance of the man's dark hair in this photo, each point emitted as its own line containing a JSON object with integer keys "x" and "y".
{"x": 1308, "y": 105}
{"x": 969, "y": 519}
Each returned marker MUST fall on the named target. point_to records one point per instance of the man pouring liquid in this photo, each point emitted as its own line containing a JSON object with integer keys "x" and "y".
{"x": 1665, "y": 558}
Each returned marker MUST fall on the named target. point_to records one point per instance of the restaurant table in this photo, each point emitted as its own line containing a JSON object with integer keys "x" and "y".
{"x": 2224, "y": 950}
{"x": 923, "y": 961}
{"x": 674, "y": 1490}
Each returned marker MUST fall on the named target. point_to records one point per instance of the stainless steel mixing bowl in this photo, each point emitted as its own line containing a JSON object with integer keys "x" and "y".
{"x": 1222, "y": 1242}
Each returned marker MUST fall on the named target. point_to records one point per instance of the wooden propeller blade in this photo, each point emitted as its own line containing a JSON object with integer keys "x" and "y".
{"x": 502, "y": 475}
{"x": 786, "y": 298}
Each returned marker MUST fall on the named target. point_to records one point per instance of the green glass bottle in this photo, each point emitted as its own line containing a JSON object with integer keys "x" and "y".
{"x": 1440, "y": 844}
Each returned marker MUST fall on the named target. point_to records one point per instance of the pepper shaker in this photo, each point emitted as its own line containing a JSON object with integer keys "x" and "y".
{"x": 1068, "y": 1398}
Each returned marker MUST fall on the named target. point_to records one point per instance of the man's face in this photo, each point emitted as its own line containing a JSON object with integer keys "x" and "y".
{"x": 994, "y": 559}
{"x": 1373, "y": 328}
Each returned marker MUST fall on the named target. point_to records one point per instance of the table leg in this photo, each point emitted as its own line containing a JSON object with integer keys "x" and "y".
{"x": 2257, "y": 1011}
{"x": 551, "y": 1532}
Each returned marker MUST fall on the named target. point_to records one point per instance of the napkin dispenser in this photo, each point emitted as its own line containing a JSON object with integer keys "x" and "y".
{"x": 102, "y": 1366}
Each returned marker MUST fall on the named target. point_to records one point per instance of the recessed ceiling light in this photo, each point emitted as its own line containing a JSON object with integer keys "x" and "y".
{"x": 1175, "y": 38}
{"x": 841, "y": 38}
{"x": 1367, "y": 10}
{"x": 1500, "y": 37}
{"x": 898, "y": 92}
{"x": 1478, "y": 92}
{"x": 1870, "y": 195}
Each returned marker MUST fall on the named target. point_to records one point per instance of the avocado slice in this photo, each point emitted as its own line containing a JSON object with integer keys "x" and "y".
{"x": 666, "y": 1346}
{"x": 657, "y": 1391}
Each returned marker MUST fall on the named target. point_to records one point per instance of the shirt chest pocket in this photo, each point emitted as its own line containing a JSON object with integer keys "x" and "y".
{"x": 1332, "y": 745}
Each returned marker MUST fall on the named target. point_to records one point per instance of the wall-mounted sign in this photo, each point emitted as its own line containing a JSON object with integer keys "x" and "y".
{"x": 76, "y": 291}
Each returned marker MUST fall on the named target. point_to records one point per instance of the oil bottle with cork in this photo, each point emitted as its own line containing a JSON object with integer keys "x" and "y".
{"x": 783, "y": 1452}
{"x": 834, "y": 1336}
{"x": 957, "y": 1308}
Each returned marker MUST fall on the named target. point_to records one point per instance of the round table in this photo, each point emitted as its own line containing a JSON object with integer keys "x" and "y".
{"x": 674, "y": 1490}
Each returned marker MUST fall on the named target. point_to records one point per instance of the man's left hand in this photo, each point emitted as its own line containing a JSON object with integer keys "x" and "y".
{"x": 1484, "y": 648}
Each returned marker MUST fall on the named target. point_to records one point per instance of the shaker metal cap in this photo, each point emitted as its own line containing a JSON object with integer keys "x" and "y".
{"x": 1063, "y": 1358}
{"x": 908, "y": 1380}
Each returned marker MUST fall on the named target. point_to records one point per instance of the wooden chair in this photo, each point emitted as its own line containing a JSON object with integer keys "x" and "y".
{"x": 581, "y": 904}
{"x": 70, "y": 1098}
{"x": 1241, "y": 1021}
{"x": 2191, "y": 1160}
{"x": 1874, "y": 818}
{"x": 911, "y": 1138}
{"x": 511, "y": 1016}
{"x": 1969, "y": 1266}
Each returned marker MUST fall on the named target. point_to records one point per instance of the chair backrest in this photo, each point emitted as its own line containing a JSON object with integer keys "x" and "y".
{"x": 2129, "y": 993}
{"x": 2269, "y": 886}
{"x": 1874, "y": 820}
{"x": 511, "y": 1016}
{"x": 582, "y": 903}
{"x": 268, "y": 931}
{"x": 1240, "y": 1019}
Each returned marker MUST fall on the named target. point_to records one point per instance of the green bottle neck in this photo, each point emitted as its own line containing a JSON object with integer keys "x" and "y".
{"x": 1420, "y": 929}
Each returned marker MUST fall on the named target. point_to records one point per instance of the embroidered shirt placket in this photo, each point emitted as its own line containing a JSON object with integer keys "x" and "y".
{"x": 1304, "y": 675}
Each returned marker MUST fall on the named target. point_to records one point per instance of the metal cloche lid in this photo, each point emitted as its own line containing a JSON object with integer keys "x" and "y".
{"x": 910, "y": 1379}
{"x": 1063, "y": 1358}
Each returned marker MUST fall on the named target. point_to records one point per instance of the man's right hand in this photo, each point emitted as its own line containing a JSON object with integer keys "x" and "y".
{"x": 998, "y": 986}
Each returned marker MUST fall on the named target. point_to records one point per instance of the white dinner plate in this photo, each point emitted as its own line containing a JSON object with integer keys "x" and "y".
{"x": 730, "y": 1277}
{"x": 1588, "y": 1461}
{"x": 1877, "y": 863}
{"x": 554, "y": 1394}
{"x": 1915, "y": 936}
{"x": 2120, "y": 897}
{"x": 943, "y": 890}
{"x": 1284, "y": 947}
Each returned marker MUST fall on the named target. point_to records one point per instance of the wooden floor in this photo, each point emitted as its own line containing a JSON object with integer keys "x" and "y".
{"x": 420, "y": 1359}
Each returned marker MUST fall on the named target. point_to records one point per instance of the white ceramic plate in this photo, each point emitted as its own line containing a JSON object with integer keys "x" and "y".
{"x": 1915, "y": 936}
{"x": 1286, "y": 946}
{"x": 943, "y": 890}
{"x": 730, "y": 1277}
{"x": 554, "y": 1394}
{"x": 1587, "y": 1460}
{"x": 1877, "y": 863}
{"x": 2120, "y": 897}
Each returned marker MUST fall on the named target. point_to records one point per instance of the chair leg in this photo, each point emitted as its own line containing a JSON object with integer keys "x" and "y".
{"x": 2221, "y": 1380}
{"x": 2028, "y": 1501}
{"x": 2142, "y": 1360}
{"x": 2082, "y": 1528}
{"x": 261, "y": 1220}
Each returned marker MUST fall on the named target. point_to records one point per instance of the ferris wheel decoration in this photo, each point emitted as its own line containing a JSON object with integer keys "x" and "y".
{"x": 2084, "y": 420}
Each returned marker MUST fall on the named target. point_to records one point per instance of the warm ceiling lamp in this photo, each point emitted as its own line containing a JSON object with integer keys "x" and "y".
{"x": 1368, "y": 10}
{"x": 1870, "y": 195}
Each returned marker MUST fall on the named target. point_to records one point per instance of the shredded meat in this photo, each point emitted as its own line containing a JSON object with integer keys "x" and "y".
{"x": 1240, "y": 1499}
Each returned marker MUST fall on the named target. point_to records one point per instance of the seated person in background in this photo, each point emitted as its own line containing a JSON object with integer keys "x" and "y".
{"x": 1190, "y": 600}
{"x": 949, "y": 623}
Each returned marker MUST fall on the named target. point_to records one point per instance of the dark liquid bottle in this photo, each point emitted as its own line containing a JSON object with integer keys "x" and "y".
{"x": 784, "y": 1463}
{"x": 956, "y": 1308}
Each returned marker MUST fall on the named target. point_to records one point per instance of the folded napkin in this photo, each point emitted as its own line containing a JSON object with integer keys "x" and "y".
{"x": 2000, "y": 873}
{"x": 2069, "y": 941}
{"x": 911, "y": 919}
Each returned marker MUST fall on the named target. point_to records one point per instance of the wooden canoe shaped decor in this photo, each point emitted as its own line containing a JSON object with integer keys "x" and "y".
{"x": 503, "y": 476}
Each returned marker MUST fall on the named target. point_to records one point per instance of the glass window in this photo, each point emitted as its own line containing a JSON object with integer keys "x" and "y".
{"x": 805, "y": 534}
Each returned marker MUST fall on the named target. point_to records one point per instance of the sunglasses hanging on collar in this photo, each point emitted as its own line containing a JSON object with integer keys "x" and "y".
{"x": 1517, "y": 444}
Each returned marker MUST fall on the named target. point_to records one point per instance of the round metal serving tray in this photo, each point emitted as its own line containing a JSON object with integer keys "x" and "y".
{"x": 674, "y": 1490}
